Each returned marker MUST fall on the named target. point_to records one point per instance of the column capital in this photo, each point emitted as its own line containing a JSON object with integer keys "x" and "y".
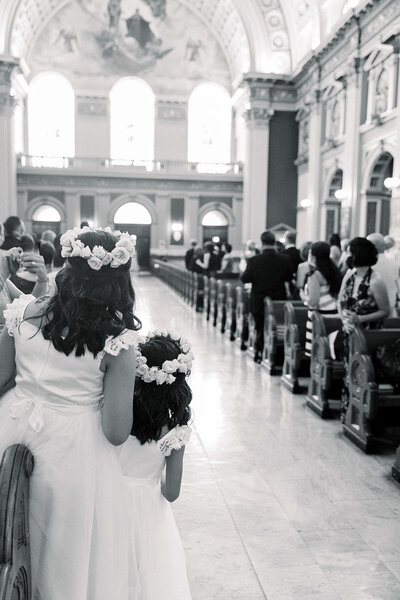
{"x": 351, "y": 75}
{"x": 8, "y": 65}
{"x": 259, "y": 117}
{"x": 260, "y": 90}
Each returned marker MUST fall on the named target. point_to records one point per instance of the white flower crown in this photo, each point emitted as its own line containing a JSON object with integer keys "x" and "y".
{"x": 165, "y": 373}
{"x": 98, "y": 256}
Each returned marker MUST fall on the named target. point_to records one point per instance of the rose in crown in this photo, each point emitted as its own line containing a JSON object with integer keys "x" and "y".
{"x": 97, "y": 257}
{"x": 168, "y": 370}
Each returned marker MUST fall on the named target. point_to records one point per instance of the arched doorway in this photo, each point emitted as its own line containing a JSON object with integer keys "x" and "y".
{"x": 378, "y": 196}
{"x": 333, "y": 204}
{"x": 45, "y": 217}
{"x": 215, "y": 226}
{"x": 136, "y": 219}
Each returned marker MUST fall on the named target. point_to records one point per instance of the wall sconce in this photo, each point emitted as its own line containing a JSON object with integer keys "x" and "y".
{"x": 177, "y": 229}
{"x": 392, "y": 183}
{"x": 341, "y": 195}
{"x": 305, "y": 203}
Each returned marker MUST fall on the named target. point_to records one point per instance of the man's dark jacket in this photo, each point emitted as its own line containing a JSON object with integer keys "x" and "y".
{"x": 11, "y": 242}
{"x": 267, "y": 272}
{"x": 294, "y": 255}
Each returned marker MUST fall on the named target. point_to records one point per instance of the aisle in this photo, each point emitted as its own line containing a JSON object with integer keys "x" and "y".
{"x": 276, "y": 503}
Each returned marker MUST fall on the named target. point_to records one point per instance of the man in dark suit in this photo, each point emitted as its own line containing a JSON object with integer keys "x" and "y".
{"x": 189, "y": 255}
{"x": 270, "y": 274}
{"x": 289, "y": 242}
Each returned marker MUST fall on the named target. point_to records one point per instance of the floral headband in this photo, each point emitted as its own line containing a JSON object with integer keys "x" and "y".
{"x": 98, "y": 256}
{"x": 165, "y": 373}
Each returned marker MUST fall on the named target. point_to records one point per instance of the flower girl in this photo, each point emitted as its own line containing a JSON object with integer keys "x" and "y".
{"x": 152, "y": 461}
{"x": 71, "y": 404}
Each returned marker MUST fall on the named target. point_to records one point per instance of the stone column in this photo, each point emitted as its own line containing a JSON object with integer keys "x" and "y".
{"x": 72, "y": 209}
{"x": 101, "y": 208}
{"x": 311, "y": 217}
{"x": 252, "y": 100}
{"x": 395, "y": 203}
{"x": 350, "y": 210}
{"x": 191, "y": 227}
{"x": 160, "y": 231}
{"x": 8, "y": 171}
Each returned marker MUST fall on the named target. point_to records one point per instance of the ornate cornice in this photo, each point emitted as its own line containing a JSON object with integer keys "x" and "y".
{"x": 169, "y": 110}
{"x": 259, "y": 116}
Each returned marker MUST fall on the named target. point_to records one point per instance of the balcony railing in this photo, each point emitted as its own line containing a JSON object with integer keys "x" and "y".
{"x": 160, "y": 167}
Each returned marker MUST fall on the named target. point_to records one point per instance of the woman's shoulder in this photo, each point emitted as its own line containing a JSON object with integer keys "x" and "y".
{"x": 175, "y": 439}
{"x": 17, "y": 311}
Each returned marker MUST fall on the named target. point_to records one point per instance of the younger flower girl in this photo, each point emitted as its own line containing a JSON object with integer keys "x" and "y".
{"x": 152, "y": 462}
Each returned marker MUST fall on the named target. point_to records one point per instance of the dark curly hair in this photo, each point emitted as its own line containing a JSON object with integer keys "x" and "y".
{"x": 155, "y": 406}
{"x": 326, "y": 266}
{"x": 363, "y": 253}
{"x": 89, "y": 305}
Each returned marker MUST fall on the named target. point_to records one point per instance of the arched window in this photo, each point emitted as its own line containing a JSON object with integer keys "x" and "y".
{"x": 214, "y": 218}
{"x": 46, "y": 217}
{"x": 382, "y": 91}
{"x": 133, "y": 213}
{"x": 51, "y": 116}
{"x": 210, "y": 124}
{"x": 132, "y": 120}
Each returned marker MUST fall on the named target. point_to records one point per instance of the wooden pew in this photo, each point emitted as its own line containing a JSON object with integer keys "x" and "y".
{"x": 213, "y": 300}
{"x": 326, "y": 374}
{"x": 221, "y": 305}
{"x": 230, "y": 320}
{"x": 198, "y": 292}
{"x": 368, "y": 398}
{"x": 295, "y": 319}
{"x": 396, "y": 466}
{"x": 15, "y": 562}
{"x": 242, "y": 316}
{"x": 274, "y": 328}
{"x": 206, "y": 297}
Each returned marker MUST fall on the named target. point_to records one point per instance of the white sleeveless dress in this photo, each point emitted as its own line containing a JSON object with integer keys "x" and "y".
{"x": 77, "y": 509}
{"x": 157, "y": 543}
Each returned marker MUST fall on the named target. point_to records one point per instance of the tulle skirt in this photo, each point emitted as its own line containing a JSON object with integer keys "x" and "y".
{"x": 80, "y": 547}
{"x": 157, "y": 544}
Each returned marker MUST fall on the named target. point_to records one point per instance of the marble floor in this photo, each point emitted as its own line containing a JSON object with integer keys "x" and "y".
{"x": 276, "y": 503}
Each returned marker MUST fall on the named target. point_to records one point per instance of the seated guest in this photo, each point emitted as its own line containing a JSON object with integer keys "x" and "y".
{"x": 189, "y": 254}
{"x": 14, "y": 229}
{"x": 387, "y": 269}
{"x": 304, "y": 266}
{"x": 335, "y": 248}
{"x": 289, "y": 242}
{"x": 270, "y": 274}
{"x": 322, "y": 286}
{"x": 363, "y": 298}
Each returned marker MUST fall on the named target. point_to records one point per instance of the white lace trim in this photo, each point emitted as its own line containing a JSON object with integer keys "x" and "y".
{"x": 175, "y": 439}
{"x": 14, "y": 313}
{"x": 122, "y": 342}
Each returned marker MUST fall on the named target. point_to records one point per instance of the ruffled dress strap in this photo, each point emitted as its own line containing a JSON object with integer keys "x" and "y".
{"x": 174, "y": 439}
{"x": 123, "y": 341}
{"x": 14, "y": 313}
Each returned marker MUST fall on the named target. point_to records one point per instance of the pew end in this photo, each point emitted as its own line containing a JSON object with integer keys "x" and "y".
{"x": 326, "y": 373}
{"x": 373, "y": 414}
{"x": 295, "y": 362}
{"x": 15, "y": 563}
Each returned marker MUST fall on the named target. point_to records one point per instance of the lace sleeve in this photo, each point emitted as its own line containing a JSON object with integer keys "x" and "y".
{"x": 122, "y": 342}
{"x": 174, "y": 440}
{"x": 14, "y": 313}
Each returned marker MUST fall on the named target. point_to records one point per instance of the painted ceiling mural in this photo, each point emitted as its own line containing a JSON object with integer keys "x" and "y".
{"x": 94, "y": 42}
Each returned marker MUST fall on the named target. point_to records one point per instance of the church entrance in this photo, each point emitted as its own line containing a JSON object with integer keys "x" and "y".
{"x": 136, "y": 220}
{"x": 215, "y": 227}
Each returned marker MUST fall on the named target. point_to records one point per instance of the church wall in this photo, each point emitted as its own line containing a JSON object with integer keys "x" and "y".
{"x": 282, "y": 172}
{"x": 92, "y": 127}
{"x": 171, "y": 131}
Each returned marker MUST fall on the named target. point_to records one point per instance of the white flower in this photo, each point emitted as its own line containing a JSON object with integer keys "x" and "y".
{"x": 170, "y": 379}
{"x": 107, "y": 229}
{"x": 126, "y": 242}
{"x": 77, "y": 247}
{"x": 106, "y": 259}
{"x": 99, "y": 252}
{"x": 86, "y": 252}
{"x": 67, "y": 238}
{"x": 186, "y": 347}
{"x": 170, "y": 366}
{"x": 183, "y": 367}
{"x": 141, "y": 360}
{"x": 141, "y": 369}
{"x": 95, "y": 263}
{"x": 161, "y": 377}
{"x": 120, "y": 256}
{"x": 66, "y": 252}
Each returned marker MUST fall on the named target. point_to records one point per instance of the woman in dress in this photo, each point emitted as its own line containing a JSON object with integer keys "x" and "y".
{"x": 322, "y": 286}
{"x": 72, "y": 403}
{"x": 152, "y": 461}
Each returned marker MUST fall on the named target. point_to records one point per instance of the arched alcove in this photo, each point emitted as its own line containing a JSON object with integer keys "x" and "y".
{"x": 44, "y": 213}
{"x": 378, "y": 196}
{"x": 132, "y": 215}
{"x": 215, "y": 226}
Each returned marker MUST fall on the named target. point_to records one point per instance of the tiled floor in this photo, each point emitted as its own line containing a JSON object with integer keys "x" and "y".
{"x": 276, "y": 503}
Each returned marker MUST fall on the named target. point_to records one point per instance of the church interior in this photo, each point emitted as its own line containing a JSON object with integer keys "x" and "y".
{"x": 185, "y": 121}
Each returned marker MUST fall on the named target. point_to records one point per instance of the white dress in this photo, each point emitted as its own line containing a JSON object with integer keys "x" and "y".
{"x": 157, "y": 544}
{"x": 77, "y": 508}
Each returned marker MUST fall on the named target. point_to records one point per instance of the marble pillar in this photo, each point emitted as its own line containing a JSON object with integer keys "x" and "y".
{"x": 192, "y": 229}
{"x": 101, "y": 210}
{"x": 395, "y": 203}
{"x": 351, "y": 152}
{"x": 160, "y": 231}
{"x": 8, "y": 171}
{"x": 312, "y": 214}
